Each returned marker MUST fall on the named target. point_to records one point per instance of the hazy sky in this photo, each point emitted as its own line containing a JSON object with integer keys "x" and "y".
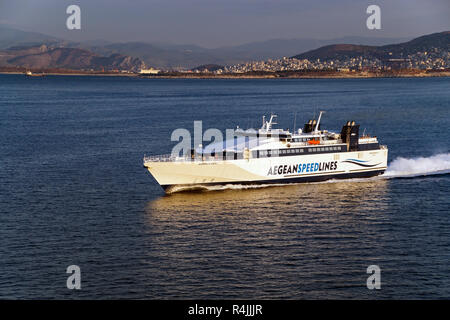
{"x": 214, "y": 23}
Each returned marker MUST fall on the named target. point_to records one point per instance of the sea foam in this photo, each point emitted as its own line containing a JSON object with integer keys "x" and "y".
{"x": 419, "y": 166}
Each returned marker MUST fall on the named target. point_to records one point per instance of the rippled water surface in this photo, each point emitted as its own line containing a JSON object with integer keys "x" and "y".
{"x": 73, "y": 191}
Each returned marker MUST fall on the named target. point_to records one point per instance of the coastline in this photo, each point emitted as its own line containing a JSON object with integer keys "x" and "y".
{"x": 338, "y": 75}
{"x": 255, "y": 75}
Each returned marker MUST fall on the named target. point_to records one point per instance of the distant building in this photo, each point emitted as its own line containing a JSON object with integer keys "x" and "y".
{"x": 149, "y": 71}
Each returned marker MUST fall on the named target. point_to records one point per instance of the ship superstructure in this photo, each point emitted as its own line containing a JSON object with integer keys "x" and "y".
{"x": 273, "y": 156}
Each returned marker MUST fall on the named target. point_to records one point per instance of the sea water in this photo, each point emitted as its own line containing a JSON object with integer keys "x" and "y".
{"x": 74, "y": 191}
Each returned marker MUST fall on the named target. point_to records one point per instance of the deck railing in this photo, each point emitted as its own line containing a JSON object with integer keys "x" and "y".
{"x": 171, "y": 158}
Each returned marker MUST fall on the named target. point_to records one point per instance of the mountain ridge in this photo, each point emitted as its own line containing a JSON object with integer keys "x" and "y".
{"x": 438, "y": 40}
{"x": 44, "y": 57}
{"x": 183, "y": 56}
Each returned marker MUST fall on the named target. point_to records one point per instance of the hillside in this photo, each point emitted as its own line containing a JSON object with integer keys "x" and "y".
{"x": 10, "y": 37}
{"x": 45, "y": 57}
{"x": 435, "y": 41}
{"x": 185, "y": 56}
{"x": 167, "y": 56}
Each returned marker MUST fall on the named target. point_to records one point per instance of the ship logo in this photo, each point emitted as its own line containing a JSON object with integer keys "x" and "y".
{"x": 361, "y": 163}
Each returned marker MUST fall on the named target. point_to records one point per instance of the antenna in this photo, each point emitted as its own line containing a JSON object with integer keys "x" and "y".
{"x": 318, "y": 121}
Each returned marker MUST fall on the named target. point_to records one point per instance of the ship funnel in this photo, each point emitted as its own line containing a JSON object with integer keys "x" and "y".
{"x": 350, "y": 135}
{"x": 308, "y": 127}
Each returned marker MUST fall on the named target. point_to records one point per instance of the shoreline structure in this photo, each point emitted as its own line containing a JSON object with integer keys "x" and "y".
{"x": 313, "y": 74}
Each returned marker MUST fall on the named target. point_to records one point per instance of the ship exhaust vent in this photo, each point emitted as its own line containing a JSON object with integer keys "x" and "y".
{"x": 310, "y": 126}
{"x": 350, "y": 135}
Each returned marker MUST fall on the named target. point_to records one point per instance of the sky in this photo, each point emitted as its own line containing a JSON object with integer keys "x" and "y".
{"x": 216, "y": 23}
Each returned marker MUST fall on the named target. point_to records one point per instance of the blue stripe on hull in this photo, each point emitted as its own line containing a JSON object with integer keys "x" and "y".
{"x": 361, "y": 164}
{"x": 311, "y": 178}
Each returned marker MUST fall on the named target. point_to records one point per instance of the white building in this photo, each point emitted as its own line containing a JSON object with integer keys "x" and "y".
{"x": 149, "y": 71}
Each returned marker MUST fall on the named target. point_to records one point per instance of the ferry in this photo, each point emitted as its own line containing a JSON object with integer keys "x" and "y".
{"x": 273, "y": 156}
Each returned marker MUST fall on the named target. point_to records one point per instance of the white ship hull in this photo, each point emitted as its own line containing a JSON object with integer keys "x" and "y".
{"x": 270, "y": 170}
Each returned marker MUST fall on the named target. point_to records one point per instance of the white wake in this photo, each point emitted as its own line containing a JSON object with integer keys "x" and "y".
{"x": 420, "y": 166}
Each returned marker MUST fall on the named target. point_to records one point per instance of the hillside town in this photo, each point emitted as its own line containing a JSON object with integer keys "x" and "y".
{"x": 434, "y": 59}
